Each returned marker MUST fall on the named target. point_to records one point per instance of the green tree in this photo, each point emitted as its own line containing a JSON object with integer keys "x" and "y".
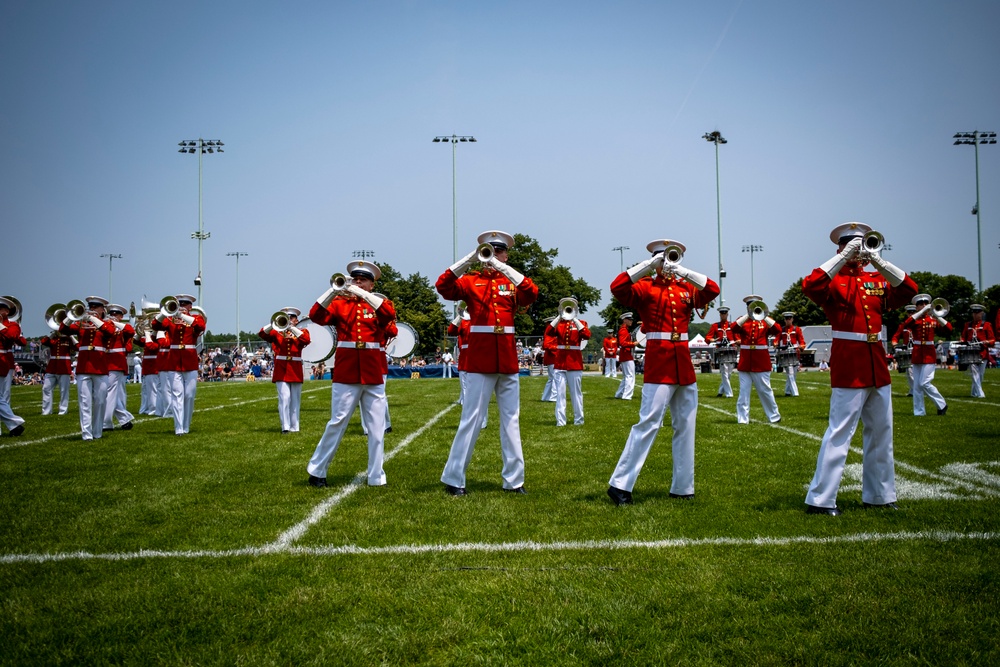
{"x": 416, "y": 304}
{"x": 806, "y": 312}
{"x": 958, "y": 291}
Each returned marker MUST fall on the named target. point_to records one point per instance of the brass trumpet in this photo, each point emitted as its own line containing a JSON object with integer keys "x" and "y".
{"x": 758, "y": 310}
{"x": 15, "y": 313}
{"x": 54, "y": 315}
{"x": 940, "y": 307}
{"x": 485, "y": 252}
{"x": 568, "y": 309}
{"x": 672, "y": 254}
{"x": 280, "y": 321}
{"x": 169, "y": 306}
{"x": 76, "y": 310}
{"x": 872, "y": 242}
{"x": 338, "y": 281}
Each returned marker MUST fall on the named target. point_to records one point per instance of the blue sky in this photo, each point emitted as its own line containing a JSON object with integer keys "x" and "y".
{"x": 588, "y": 117}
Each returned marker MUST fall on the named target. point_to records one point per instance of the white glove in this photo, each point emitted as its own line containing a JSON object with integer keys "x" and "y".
{"x": 578, "y": 323}
{"x": 833, "y": 266}
{"x": 920, "y": 313}
{"x": 96, "y": 322}
{"x": 119, "y": 325}
{"x": 160, "y": 317}
{"x": 161, "y": 334}
{"x": 893, "y": 274}
{"x": 741, "y": 319}
{"x": 373, "y": 301}
{"x": 513, "y": 275}
{"x": 185, "y": 318}
{"x": 3, "y": 327}
{"x": 149, "y": 336}
{"x": 940, "y": 320}
{"x": 457, "y": 320}
{"x": 269, "y": 328}
{"x": 327, "y": 297}
{"x": 697, "y": 279}
{"x": 768, "y": 321}
{"x": 639, "y": 271}
{"x": 462, "y": 265}
{"x": 297, "y": 332}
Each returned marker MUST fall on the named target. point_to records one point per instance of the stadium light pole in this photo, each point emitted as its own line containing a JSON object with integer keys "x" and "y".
{"x": 975, "y": 138}
{"x": 363, "y": 254}
{"x": 111, "y": 258}
{"x": 200, "y": 146}
{"x": 237, "y": 254}
{"x": 454, "y": 140}
{"x": 621, "y": 256}
{"x": 752, "y": 249}
{"x": 717, "y": 138}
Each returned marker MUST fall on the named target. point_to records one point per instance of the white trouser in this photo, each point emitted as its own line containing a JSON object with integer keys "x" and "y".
{"x": 976, "y": 370}
{"x": 49, "y": 384}
{"x": 874, "y": 407}
{"x": 137, "y": 373}
{"x": 343, "y": 400}
{"x": 549, "y": 393}
{"x": 610, "y": 367}
{"x": 447, "y": 370}
{"x": 627, "y": 386}
{"x": 461, "y": 387}
{"x": 91, "y": 396}
{"x": 909, "y": 379}
{"x": 725, "y": 387}
{"x": 762, "y": 382}
{"x": 180, "y": 387}
{"x": 150, "y": 389}
{"x": 571, "y": 381}
{"x": 791, "y": 388}
{"x": 10, "y": 420}
{"x": 478, "y": 390}
{"x": 116, "y": 405}
{"x": 289, "y": 402}
{"x": 656, "y": 398}
{"x": 388, "y": 419}
{"x": 923, "y": 375}
{"x": 163, "y": 397}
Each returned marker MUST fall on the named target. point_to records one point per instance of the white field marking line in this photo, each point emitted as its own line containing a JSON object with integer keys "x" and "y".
{"x": 956, "y": 481}
{"x": 296, "y": 532}
{"x": 509, "y": 547}
{"x": 143, "y": 420}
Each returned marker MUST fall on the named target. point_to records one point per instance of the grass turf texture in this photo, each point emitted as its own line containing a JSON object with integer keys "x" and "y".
{"x": 405, "y": 573}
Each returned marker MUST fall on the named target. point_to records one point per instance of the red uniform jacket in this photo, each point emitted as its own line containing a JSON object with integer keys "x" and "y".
{"x": 9, "y": 337}
{"x": 92, "y": 357}
{"x": 567, "y": 342}
{"x": 287, "y": 354}
{"x": 391, "y": 331}
{"x": 461, "y": 331}
{"x": 492, "y": 301}
{"x": 902, "y": 335}
{"x": 665, "y": 305}
{"x": 854, "y": 302}
{"x": 792, "y": 337}
{"x": 754, "y": 357}
{"x": 922, "y": 332}
{"x": 984, "y": 335}
{"x": 610, "y": 344}
{"x": 60, "y": 354}
{"x": 721, "y": 331}
{"x": 119, "y": 345}
{"x": 162, "y": 351}
{"x": 359, "y": 337}
{"x": 625, "y": 345}
{"x": 183, "y": 339}
{"x": 149, "y": 355}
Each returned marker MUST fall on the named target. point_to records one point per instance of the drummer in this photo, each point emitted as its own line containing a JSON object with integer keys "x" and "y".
{"x": 902, "y": 341}
{"x": 288, "y": 373}
{"x": 721, "y": 334}
{"x": 923, "y": 324}
{"x": 978, "y": 333}
{"x": 791, "y": 337}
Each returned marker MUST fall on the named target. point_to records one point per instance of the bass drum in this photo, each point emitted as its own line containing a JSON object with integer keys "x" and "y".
{"x": 404, "y": 342}
{"x": 321, "y": 341}
{"x": 640, "y": 338}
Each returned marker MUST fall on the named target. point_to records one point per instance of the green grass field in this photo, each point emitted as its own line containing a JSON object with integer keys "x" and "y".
{"x": 146, "y": 548}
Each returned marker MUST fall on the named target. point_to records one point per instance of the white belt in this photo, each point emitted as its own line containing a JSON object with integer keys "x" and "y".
{"x": 666, "y": 335}
{"x": 493, "y": 330}
{"x": 91, "y": 348}
{"x": 571, "y": 347}
{"x": 465, "y": 347}
{"x": 150, "y": 356}
{"x": 281, "y": 358}
{"x": 862, "y": 337}
{"x": 181, "y": 347}
{"x": 359, "y": 345}
{"x": 753, "y": 347}
{"x": 117, "y": 349}
{"x": 923, "y": 342}
{"x": 64, "y": 358}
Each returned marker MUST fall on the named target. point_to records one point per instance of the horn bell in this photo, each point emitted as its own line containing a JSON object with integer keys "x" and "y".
{"x": 940, "y": 307}
{"x": 76, "y": 310}
{"x": 873, "y": 242}
{"x": 673, "y": 254}
{"x": 758, "y": 310}
{"x": 15, "y": 314}
{"x": 485, "y": 252}
{"x": 54, "y": 315}
{"x": 169, "y": 306}
{"x": 279, "y": 321}
{"x": 338, "y": 281}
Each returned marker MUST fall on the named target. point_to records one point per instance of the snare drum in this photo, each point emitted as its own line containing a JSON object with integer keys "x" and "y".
{"x": 902, "y": 357}
{"x": 787, "y": 357}
{"x": 726, "y": 355}
{"x": 969, "y": 354}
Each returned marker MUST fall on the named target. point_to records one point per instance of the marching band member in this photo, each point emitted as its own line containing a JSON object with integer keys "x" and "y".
{"x": 164, "y": 399}
{"x": 904, "y": 338}
{"x": 626, "y": 362}
{"x": 665, "y": 303}
{"x": 95, "y": 335}
{"x": 459, "y": 329}
{"x": 549, "y": 361}
{"x": 360, "y": 318}
{"x": 119, "y": 345}
{"x": 755, "y": 363}
{"x": 978, "y": 332}
{"x": 610, "y": 347}
{"x": 150, "y": 372}
{"x": 721, "y": 334}
{"x": 179, "y": 372}
{"x": 10, "y": 335}
{"x": 568, "y": 337}
{"x": 390, "y": 332}
{"x": 57, "y": 371}
{"x": 922, "y": 326}
{"x": 492, "y": 296}
{"x": 853, "y": 300}
{"x": 791, "y": 337}
{"x": 287, "y": 376}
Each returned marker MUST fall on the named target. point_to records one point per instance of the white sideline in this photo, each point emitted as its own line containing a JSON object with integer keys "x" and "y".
{"x": 510, "y": 547}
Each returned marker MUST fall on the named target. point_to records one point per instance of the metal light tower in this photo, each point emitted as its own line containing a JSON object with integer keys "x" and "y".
{"x": 454, "y": 140}
{"x": 621, "y": 256}
{"x": 717, "y": 138}
{"x": 752, "y": 249}
{"x": 975, "y": 138}
{"x": 237, "y": 254}
{"x": 111, "y": 258}
{"x": 363, "y": 254}
{"x": 200, "y": 146}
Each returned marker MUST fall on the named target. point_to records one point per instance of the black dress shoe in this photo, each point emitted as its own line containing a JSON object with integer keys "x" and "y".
{"x": 17, "y": 430}
{"x": 519, "y": 490}
{"x": 886, "y": 506}
{"x": 683, "y": 496}
{"x": 620, "y": 497}
{"x": 454, "y": 490}
{"x": 318, "y": 482}
{"x": 829, "y": 511}
{"x": 284, "y": 431}
{"x": 942, "y": 411}
{"x": 127, "y": 426}
{"x": 388, "y": 430}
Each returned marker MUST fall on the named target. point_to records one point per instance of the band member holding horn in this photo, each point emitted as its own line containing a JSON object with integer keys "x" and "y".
{"x": 492, "y": 296}
{"x": 978, "y": 332}
{"x": 360, "y": 318}
{"x": 150, "y": 371}
{"x": 59, "y": 368}
{"x": 567, "y": 335}
{"x": 287, "y": 342}
{"x": 755, "y": 360}
{"x": 459, "y": 329}
{"x": 119, "y": 345}
{"x": 87, "y": 324}
{"x": 721, "y": 335}
{"x": 610, "y": 347}
{"x": 182, "y": 325}
{"x": 902, "y": 341}
{"x": 626, "y": 362}
{"x": 854, "y": 300}
{"x": 792, "y": 340}
{"x": 665, "y": 303}
{"x": 549, "y": 361}
{"x": 923, "y": 325}
{"x": 388, "y": 334}
{"x": 10, "y": 335}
